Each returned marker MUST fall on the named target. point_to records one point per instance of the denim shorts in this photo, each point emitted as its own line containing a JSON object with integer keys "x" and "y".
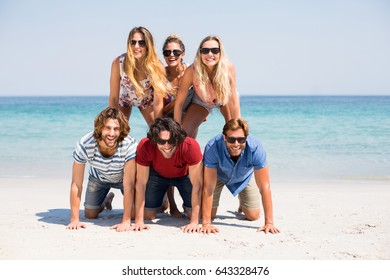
{"x": 157, "y": 186}
{"x": 97, "y": 192}
{"x": 197, "y": 100}
{"x": 186, "y": 103}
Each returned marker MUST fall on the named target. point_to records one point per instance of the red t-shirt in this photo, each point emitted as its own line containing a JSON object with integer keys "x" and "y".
{"x": 187, "y": 153}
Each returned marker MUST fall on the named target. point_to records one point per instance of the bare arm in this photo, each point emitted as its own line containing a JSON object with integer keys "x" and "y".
{"x": 263, "y": 183}
{"x": 158, "y": 99}
{"x": 232, "y": 109}
{"x": 128, "y": 195}
{"x": 140, "y": 187}
{"x": 185, "y": 83}
{"x": 209, "y": 183}
{"x": 196, "y": 177}
{"x": 76, "y": 189}
{"x": 169, "y": 107}
{"x": 158, "y": 104}
{"x": 114, "y": 84}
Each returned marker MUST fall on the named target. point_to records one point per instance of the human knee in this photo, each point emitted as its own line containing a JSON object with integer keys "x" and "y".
{"x": 91, "y": 213}
{"x": 150, "y": 215}
{"x": 251, "y": 215}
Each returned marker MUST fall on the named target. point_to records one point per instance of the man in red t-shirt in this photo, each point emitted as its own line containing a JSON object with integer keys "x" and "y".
{"x": 167, "y": 157}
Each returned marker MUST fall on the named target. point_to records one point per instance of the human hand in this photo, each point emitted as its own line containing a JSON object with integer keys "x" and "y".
{"x": 190, "y": 228}
{"x": 140, "y": 226}
{"x": 268, "y": 228}
{"x": 76, "y": 225}
{"x": 208, "y": 228}
{"x": 123, "y": 227}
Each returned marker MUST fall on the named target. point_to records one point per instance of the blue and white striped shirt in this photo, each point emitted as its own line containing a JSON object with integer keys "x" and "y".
{"x": 109, "y": 170}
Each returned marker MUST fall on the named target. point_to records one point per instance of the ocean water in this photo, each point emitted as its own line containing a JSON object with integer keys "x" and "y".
{"x": 306, "y": 137}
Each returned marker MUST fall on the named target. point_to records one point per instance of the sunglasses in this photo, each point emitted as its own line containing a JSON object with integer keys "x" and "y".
{"x": 207, "y": 50}
{"x": 141, "y": 43}
{"x": 233, "y": 140}
{"x": 176, "y": 53}
{"x": 164, "y": 141}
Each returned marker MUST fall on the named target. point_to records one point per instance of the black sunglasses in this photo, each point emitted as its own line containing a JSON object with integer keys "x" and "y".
{"x": 141, "y": 43}
{"x": 164, "y": 141}
{"x": 176, "y": 53}
{"x": 233, "y": 140}
{"x": 207, "y": 50}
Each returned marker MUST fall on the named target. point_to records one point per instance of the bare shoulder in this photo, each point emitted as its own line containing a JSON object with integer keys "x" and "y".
{"x": 230, "y": 65}
{"x": 189, "y": 70}
{"x": 116, "y": 59}
{"x": 115, "y": 62}
{"x": 161, "y": 65}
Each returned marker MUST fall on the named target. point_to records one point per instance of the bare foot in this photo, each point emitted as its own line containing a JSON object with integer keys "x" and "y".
{"x": 165, "y": 204}
{"x": 174, "y": 212}
{"x": 107, "y": 203}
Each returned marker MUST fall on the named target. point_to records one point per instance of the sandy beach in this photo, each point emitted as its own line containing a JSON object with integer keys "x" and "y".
{"x": 318, "y": 221}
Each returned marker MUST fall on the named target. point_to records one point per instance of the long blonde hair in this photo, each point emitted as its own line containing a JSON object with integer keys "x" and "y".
{"x": 221, "y": 81}
{"x": 151, "y": 63}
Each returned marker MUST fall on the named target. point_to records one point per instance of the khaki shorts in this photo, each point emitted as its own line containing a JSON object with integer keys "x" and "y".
{"x": 249, "y": 197}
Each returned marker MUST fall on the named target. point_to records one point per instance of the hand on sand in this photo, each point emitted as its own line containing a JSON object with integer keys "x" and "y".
{"x": 139, "y": 227}
{"x": 76, "y": 225}
{"x": 191, "y": 227}
{"x": 268, "y": 228}
{"x": 209, "y": 229}
{"x": 122, "y": 227}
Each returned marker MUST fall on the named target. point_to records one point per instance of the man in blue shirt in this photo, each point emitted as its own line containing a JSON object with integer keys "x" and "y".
{"x": 237, "y": 160}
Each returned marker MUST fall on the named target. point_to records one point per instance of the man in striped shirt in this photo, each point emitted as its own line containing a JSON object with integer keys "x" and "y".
{"x": 110, "y": 152}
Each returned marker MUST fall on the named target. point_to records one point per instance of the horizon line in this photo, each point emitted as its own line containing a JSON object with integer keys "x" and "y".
{"x": 240, "y": 95}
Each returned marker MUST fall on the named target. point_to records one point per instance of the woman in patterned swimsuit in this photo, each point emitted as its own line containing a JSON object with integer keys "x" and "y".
{"x": 138, "y": 77}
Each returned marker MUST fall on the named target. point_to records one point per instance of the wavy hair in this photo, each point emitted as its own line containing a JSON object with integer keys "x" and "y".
{"x": 111, "y": 113}
{"x": 235, "y": 124}
{"x": 167, "y": 124}
{"x": 151, "y": 63}
{"x": 221, "y": 81}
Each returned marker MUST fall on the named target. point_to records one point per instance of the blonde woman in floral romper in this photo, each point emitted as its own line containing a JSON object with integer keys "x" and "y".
{"x": 138, "y": 77}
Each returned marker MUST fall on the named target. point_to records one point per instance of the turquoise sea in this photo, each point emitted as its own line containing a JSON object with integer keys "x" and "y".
{"x": 306, "y": 137}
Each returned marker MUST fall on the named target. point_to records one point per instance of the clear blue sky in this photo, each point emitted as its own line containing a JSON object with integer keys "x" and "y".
{"x": 278, "y": 46}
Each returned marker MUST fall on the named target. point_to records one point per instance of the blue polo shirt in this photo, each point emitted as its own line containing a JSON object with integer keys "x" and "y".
{"x": 236, "y": 176}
